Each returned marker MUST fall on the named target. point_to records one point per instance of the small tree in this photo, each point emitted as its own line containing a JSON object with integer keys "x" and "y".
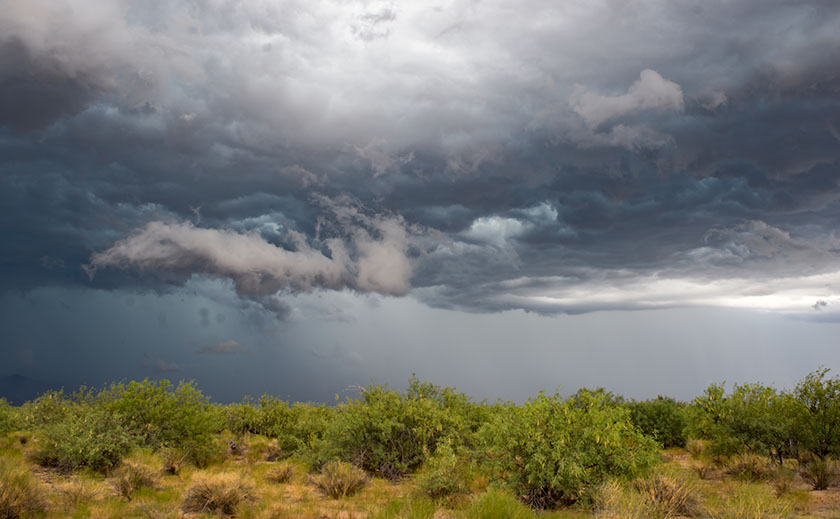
{"x": 819, "y": 425}
{"x": 554, "y": 452}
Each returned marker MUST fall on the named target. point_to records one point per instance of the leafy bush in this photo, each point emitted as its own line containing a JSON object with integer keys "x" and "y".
{"x": 296, "y": 427}
{"x": 662, "y": 418}
{"x": 388, "y": 433}
{"x": 88, "y": 436}
{"x": 819, "y": 397}
{"x": 338, "y": 479}
{"x": 8, "y": 418}
{"x": 20, "y": 495}
{"x": 496, "y": 504}
{"x": 555, "y": 452}
{"x": 222, "y": 494}
{"x": 443, "y": 475}
{"x": 159, "y": 415}
{"x": 753, "y": 418}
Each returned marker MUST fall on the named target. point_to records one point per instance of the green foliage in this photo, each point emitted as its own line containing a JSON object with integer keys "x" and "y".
{"x": 86, "y": 436}
{"x": 662, "y": 418}
{"x": 159, "y": 415}
{"x": 297, "y": 427}
{"x": 389, "y": 433}
{"x": 819, "y": 397}
{"x": 338, "y": 479}
{"x": 8, "y": 417}
{"x": 443, "y": 475}
{"x": 753, "y": 418}
{"x": 555, "y": 452}
{"x": 20, "y": 495}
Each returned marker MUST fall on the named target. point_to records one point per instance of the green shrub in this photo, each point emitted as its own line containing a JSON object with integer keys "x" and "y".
{"x": 20, "y": 495}
{"x": 555, "y": 452}
{"x": 296, "y": 427}
{"x": 388, "y": 433}
{"x": 443, "y": 475}
{"x": 338, "y": 479}
{"x": 662, "y": 418}
{"x": 88, "y": 436}
{"x": 496, "y": 504}
{"x": 160, "y": 415}
{"x": 819, "y": 397}
{"x": 8, "y": 418}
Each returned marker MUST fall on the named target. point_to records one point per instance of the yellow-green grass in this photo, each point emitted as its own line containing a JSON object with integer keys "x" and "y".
{"x": 85, "y": 494}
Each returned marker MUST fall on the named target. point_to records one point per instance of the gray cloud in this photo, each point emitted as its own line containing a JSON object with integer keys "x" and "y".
{"x": 222, "y": 348}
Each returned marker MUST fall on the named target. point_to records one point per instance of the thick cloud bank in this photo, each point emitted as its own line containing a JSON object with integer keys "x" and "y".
{"x": 374, "y": 259}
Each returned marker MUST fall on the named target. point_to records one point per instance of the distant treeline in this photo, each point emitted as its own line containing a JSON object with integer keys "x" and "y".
{"x": 550, "y": 451}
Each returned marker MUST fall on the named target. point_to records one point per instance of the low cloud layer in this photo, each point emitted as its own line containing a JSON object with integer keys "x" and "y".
{"x": 360, "y": 252}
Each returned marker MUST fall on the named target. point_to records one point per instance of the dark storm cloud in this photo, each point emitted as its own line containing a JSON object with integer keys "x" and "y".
{"x": 555, "y": 157}
{"x": 228, "y": 347}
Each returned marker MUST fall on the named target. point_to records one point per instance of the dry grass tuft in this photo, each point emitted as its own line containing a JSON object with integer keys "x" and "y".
{"x": 668, "y": 496}
{"x": 221, "y": 494}
{"x": 282, "y": 473}
{"x": 820, "y": 473}
{"x": 20, "y": 495}
{"x": 338, "y": 479}
{"x": 173, "y": 460}
{"x": 78, "y": 491}
{"x": 750, "y": 467}
{"x": 132, "y": 477}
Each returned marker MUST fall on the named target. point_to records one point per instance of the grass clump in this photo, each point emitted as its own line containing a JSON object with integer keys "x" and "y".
{"x": 820, "y": 472}
{"x": 20, "y": 495}
{"x": 338, "y": 479}
{"x": 282, "y": 473}
{"x": 79, "y": 492}
{"x": 496, "y": 504}
{"x": 668, "y": 496}
{"x": 131, "y": 477}
{"x": 750, "y": 467}
{"x": 747, "y": 501}
{"x": 223, "y": 494}
{"x": 422, "y": 508}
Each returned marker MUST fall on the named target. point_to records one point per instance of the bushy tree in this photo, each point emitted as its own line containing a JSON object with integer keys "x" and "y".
{"x": 87, "y": 435}
{"x": 158, "y": 414}
{"x": 662, "y": 418}
{"x": 819, "y": 426}
{"x": 8, "y": 417}
{"x": 389, "y": 433}
{"x": 554, "y": 452}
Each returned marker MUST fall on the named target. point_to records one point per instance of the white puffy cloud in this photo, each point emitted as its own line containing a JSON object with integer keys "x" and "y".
{"x": 650, "y": 91}
{"x": 372, "y": 257}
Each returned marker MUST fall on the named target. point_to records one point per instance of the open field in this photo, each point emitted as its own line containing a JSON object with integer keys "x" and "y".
{"x": 86, "y": 494}
{"x": 156, "y": 450}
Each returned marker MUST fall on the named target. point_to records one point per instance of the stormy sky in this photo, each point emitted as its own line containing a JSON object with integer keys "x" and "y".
{"x": 296, "y": 197}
